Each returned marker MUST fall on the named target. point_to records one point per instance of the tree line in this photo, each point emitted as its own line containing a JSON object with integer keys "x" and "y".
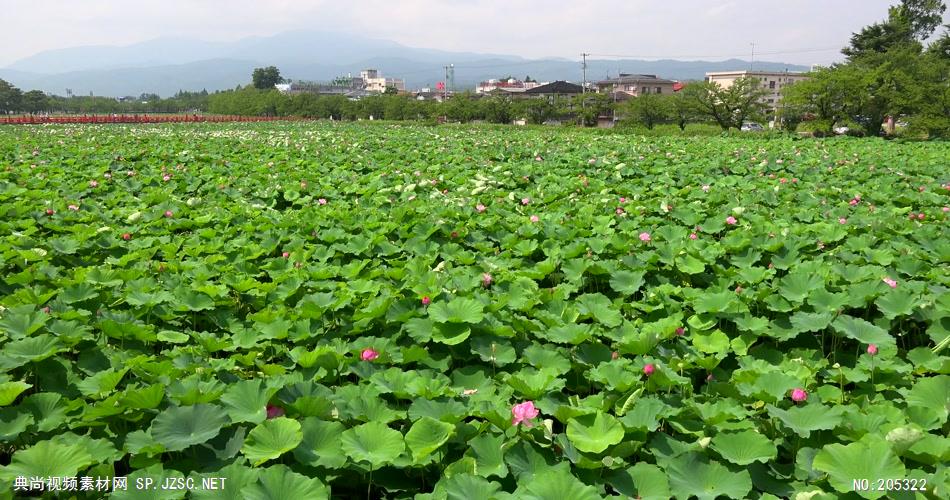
{"x": 13, "y": 100}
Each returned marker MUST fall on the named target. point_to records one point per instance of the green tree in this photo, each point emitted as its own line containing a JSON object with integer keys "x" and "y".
{"x": 591, "y": 106}
{"x": 497, "y": 109}
{"x": 35, "y": 101}
{"x": 647, "y": 110}
{"x": 908, "y": 23}
{"x": 728, "y": 107}
{"x": 390, "y": 90}
{"x": 682, "y": 110}
{"x": 536, "y": 110}
{"x": 9, "y": 97}
{"x": 266, "y": 78}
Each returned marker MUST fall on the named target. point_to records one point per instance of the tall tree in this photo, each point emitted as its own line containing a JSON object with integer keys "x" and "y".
{"x": 908, "y": 23}
{"x": 9, "y": 97}
{"x": 729, "y": 107}
{"x": 35, "y": 101}
{"x": 266, "y": 78}
{"x": 647, "y": 110}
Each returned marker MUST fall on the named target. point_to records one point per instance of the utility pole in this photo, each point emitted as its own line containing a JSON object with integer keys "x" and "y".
{"x": 753, "y": 56}
{"x": 584, "y": 67}
{"x": 445, "y": 84}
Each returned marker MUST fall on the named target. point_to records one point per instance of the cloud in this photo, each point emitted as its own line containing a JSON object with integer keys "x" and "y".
{"x": 558, "y": 28}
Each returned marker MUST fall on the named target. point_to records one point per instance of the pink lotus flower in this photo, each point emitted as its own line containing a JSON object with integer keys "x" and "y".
{"x": 614, "y": 355}
{"x": 523, "y": 413}
{"x": 731, "y": 220}
{"x": 130, "y": 173}
{"x": 285, "y": 255}
{"x": 107, "y": 175}
{"x": 872, "y": 349}
{"x": 783, "y": 180}
{"x": 680, "y": 331}
{"x": 891, "y": 283}
{"x": 50, "y": 211}
{"x": 535, "y": 218}
{"x": 479, "y": 208}
{"x": 648, "y": 369}
{"x": 369, "y": 354}
{"x": 525, "y": 201}
{"x": 487, "y": 280}
{"x": 619, "y": 211}
{"x": 274, "y": 411}
{"x": 799, "y": 395}
{"x": 169, "y": 214}
{"x": 922, "y": 189}
{"x": 322, "y": 201}
{"x": 591, "y": 161}
{"x": 945, "y": 209}
{"x": 93, "y": 184}
{"x": 126, "y": 236}
{"x": 303, "y": 184}
{"x": 623, "y": 200}
{"x": 738, "y": 289}
{"x": 645, "y": 237}
{"x": 705, "y": 188}
{"x": 921, "y": 216}
{"x": 853, "y": 202}
{"x": 710, "y": 378}
{"x": 426, "y": 301}
{"x": 538, "y": 158}
{"x": 693, "y": 236}
{"x": 74, "y": 208}
{"x": 842, "y": 220}
{"x": 794, "y": 180}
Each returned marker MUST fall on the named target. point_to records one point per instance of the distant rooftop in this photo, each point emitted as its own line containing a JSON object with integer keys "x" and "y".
{"x": 634, "y": 78}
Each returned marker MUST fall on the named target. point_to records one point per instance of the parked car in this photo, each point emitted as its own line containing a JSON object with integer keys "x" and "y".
{"x": 751, "y": 127}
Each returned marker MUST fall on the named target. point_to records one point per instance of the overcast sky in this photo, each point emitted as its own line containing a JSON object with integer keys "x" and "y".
{"x": 798, "y": 31}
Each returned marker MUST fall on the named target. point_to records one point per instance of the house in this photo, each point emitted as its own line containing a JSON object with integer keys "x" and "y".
{"x": 374, "y": 82}
{"x": 636, "y": 85}
{"x": 773, "y": 81}
{"x": 554, "y": 89}
{"x": 504, "y": 85}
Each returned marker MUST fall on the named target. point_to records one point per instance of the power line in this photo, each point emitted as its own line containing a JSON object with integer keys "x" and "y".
{"x": 777, "y": 52}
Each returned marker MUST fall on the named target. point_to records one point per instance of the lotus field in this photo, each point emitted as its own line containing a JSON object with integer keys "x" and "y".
{"x": 313, "y": 310}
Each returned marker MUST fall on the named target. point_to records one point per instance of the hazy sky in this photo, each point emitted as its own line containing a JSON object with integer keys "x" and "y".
{"x": 793, "y": 31}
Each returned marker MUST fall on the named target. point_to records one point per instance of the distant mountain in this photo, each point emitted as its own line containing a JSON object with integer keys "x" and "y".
{"x": 166, "y": 65}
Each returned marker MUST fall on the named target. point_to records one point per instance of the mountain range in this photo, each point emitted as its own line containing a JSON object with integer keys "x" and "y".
{"x": 166, "y": 65}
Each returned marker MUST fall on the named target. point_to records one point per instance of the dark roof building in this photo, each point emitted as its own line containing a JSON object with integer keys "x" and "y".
{"x": 556, "y": 88}
{"x": 636, "y": 85}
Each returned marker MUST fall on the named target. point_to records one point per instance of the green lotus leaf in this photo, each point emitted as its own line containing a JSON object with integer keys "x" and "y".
{"x": 179, "y": 427}
{"x": 9, "y": 391}
{"x": 594, "y": 433}
{"x": 373, "y": 442}
{"x": 246, "y": 401}
{"x": 553, "y": 485}
{"x": 466, "y": 486}
{"x": 870, "y": 459}
{"x": 271, "y": 439}
{"x": 862, "y": 331}
{"x": 321, "y": 445}
{"x": 48, "y": 458}
{"x": 427, "y": 435}
{"x": 691, "y": 475}
{"x": 278, "y": 482}
{"x": 458, "y": 310}
{"x": 807, "y": 418}
{"x": 744, "y": 447}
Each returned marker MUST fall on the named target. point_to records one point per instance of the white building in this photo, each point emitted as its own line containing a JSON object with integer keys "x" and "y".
{"x": 375, "y": 83}
{"x": 509, "y": 85}
{"x": 772, "y": 81}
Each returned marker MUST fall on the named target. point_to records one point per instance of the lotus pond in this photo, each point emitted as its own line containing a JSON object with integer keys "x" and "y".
{"x": 313, "y": 310}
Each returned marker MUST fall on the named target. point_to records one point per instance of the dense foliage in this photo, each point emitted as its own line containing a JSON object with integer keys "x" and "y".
{"x": 463, "y": 312}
